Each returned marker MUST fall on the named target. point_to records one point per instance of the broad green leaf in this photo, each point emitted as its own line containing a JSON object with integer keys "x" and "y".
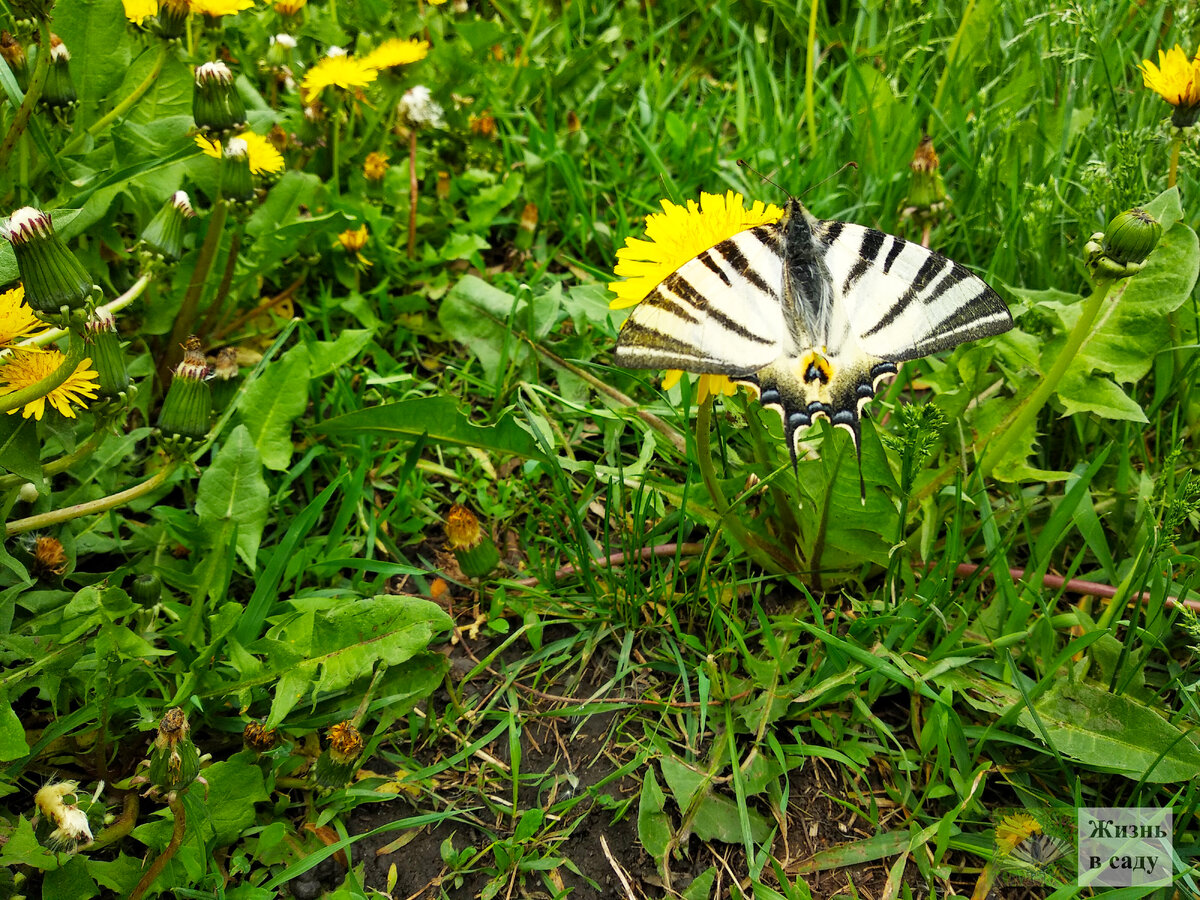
{"x": 12, "y": 733}
{"x": 234, "y": 786}
{"x": 22, "y": 848}
{"x": 1114, "y": 733}
{"x": 101, "y": 48}
{"x": 701, "y": 887}
{"x": 20, "y": 450}
{"x": 439, "y": 419}
{"x": 715, "y": 815}
{"x": 325, "y": 357}
{"x": 72, "y": 880}
{"x": 1096, "y": 394}
{"x": 232, "y": 489}
{"x": 171, "y": 94}
{"x": 347, "y": 644}
{"x": 269, "y": 405}
{"x": 120, "y": 876}
{"x": 654, "y": 828}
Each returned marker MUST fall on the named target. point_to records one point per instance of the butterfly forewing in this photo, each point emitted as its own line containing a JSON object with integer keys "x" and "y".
{"x": 719, "y": 312}
{"x": 903, "y": 301}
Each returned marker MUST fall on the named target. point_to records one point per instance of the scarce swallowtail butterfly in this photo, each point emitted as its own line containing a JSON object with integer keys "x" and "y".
{"x": 810, "y": 314}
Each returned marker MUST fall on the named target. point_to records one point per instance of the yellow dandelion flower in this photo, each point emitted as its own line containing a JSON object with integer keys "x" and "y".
{"x": 16, "y": 318}
{"x": 1177, "y": 80}
{"x": 375, "y": 166}
{"x": 353, "y": 240}
{"x": 216, "y": 8}
{"x": 1013, "y": 829}
{"x": 396, "y": 52}
{"x": 336, "y": 71}
{"x": 264, "y": 158}
{"x": 436, "y": 2}
{"x": 137, "y": 10}
{"x": 27, "y": 367}
{"x": 289, "y": 7}
{"x": 674, "y": 236}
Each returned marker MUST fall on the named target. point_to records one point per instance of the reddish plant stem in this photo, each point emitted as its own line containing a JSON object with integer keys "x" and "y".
{"x": 160, "y": 863}
{"x": 621, "y": 557}
{"x": 1074, "y": 585}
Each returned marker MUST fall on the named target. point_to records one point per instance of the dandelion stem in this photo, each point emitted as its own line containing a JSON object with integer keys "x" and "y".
{"x": 103, "y": 504}
{"x": 125, "y": 105}
{"x": 412, "y": 194}
{"x": 160, "y": 863}
{"x": 36, "y": 82}
{"x": 334, "y": 161}
{"x": 72, "y": 359}
{"x": 191, "y": 300}
{"x": 63, "y": 463}
{"x": 1007, "y": 433}
{"x": 1176, "y": 146}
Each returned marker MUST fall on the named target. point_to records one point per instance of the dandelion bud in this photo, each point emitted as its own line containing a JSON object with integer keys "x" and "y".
{"x": 236, "y": 183}
{"x": 28, "y": 492}
{"x": 164, "y": 233}
{"x": 216, "y": 105}
{"x": 107, "y": 357}
{"x": 353, "y": 240}
{"x": 926, "y": 191}
{"x": 258, "y": 738}
{"x": 14, "y": 55}
{"x": 279, "y": 53}
{"x": 474, "y": 549}
{"x": 49, "y": 557}
{"x": 188, "y": 406}
{"x": 484, "y": 124}
{"x": 146, "y": 590}
{"x": 172, "y": 18}
{"x": 289, "y": 7}
{"x": 224, "y": 378}
{"x": 527, "y": 226}
{"x": 53, "y": 277}
{"x": 573, "y": 124}
{"x": 59, "y": 802}
{"x": 174, "y": 759}
{"x": 443, "y": 185}
{"x": 418, "y": 109}
{"x": 59, "y": 90}
{"x": 337, "y": 762}
{"x": 1131, "y": 236}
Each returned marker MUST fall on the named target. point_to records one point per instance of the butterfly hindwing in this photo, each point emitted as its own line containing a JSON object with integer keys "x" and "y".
{"x": 720, "y": 312}
{"x": 903, "y": 301}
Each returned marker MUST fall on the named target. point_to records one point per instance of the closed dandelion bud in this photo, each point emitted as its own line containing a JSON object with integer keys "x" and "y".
{"x": 224, "y": 378}
{"x": 28, "y": 492}
{"x": 473, "y": 548}
{"x": 236, "y": 183}
{"x": 49, "y": 557}
{"x": 174, "y": 759}
{"x": 279, "y": 53}
{"x": 164, "y": 233}
{"x": 14, "y": 55}
{"x": 146, "y": 590}
{"x": 527, "y": 226}
{"x": 443, "y": 185}
{"x": 216, "y": 105}
{"x": 59, "y": 90}
{"x": 289, "y": 7}
{"x": 1131, "y": 236}
{"x": 52, "y": 276}
{"x": 188, "y": 405}
{"x": 926, "y": 191}
{"x": 338, "y": 761}
{"x": 108, "y": 358}
{"x": 172, "y": 18}
{"x": 259, "y": 738}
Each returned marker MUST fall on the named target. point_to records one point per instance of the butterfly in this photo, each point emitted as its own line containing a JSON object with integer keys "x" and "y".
{"x": 810, "y": 314}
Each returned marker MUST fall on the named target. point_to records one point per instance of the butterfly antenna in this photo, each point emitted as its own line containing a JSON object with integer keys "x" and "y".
{"x": 747, "y": 166}
{"x": 850, "y": 164}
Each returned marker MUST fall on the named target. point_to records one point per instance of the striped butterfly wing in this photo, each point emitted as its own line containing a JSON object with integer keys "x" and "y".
{"x": 720, "y": 312}
{"x": 902, "y": 301}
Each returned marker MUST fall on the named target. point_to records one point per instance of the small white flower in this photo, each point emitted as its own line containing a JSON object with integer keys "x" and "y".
{"x": 418, "y": 108}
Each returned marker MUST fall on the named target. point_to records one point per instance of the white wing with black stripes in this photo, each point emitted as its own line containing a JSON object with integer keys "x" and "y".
{"x": 810, "y": 314}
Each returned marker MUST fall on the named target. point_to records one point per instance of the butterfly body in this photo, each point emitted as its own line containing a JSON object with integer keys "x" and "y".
{"x": 811, "y": 314}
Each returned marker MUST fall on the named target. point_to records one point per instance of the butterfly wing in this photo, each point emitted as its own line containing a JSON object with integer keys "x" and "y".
{"x": 720, "y": 312}
{"x": 901, "y": 301}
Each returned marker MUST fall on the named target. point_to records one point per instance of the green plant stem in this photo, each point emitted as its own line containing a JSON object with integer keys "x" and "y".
{"x": 121, "y": 827}
{"x": 412, "y": 194}
{"x": 1002, "y": 438}
{"x": 62, "y": 464}
{"x": 71, "y": 360}
{"x": 103, "y": 504}
{"x": 217, "y": 306}
{"x": 36, "y": 83}
{"x": 176, "y": 804}
{"x": 113, "y": 306}
{"x": 334, "y": 154}
{"x": 195, "y": 289}
{"x": 125, "y": 105}
{"x": 1176, "y": 146}
{"x": 708, "y": 472}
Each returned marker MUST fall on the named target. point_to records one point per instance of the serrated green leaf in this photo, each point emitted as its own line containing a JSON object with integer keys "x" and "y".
{"x": 346, "y": 644}
{"x": 22, "y": 848}
{"x": 234, "y": 786}
{"x": 437, "y": 418}
{"x": 325, "y": 357}
{"x": 1096, "y": 394}
{"x": 72, "y": 879}
{"x": 232, "y": 489}
{"x": 270, "y": 404}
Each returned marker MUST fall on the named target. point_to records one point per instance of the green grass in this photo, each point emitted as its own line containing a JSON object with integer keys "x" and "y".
{"x": 792, "y": 694}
